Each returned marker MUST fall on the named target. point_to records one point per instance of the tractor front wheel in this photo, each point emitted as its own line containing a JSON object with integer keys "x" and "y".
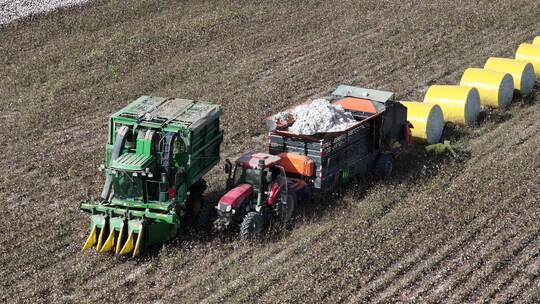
{"x": 252, "y": 226}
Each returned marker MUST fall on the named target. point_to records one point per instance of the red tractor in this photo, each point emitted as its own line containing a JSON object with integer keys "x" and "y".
{"x": 299, "y": 167}
{"x": 258, "y": 190}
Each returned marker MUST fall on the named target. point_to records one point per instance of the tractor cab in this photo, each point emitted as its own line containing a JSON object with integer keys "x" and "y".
{"x": 253, "y": 168}
{"x": 256, "y": 182}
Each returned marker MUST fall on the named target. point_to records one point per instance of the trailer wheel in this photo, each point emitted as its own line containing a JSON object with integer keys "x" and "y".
{"x": 384, "y": 166}
{"x": 252, "y": 225}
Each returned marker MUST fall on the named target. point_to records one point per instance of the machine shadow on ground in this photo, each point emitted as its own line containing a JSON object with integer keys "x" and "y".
{"x": 413, "y": 166}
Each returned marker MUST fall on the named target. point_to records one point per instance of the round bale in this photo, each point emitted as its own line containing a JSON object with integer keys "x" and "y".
{"x": 522, "y": 72}
{"x": 427, "y": 120}
{"x": 460, "y": 105}
{"x": 530, "y": 53}
{"x": 496, "y": 89}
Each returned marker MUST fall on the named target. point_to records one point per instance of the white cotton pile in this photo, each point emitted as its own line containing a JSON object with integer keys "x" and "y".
{"x": 319, "y": 116}
{"x": 14, "y": 9}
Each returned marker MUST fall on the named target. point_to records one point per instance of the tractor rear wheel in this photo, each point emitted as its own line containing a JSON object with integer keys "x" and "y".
{"x": 384, "y": 166}
{"x": 252, "y": 225}
{"x": 287, "y": 208}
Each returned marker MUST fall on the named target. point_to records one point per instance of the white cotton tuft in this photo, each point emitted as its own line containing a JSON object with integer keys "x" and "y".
{"x": 318, "y": 116}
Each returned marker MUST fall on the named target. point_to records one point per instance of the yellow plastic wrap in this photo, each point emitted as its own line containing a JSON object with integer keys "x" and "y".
{"x": 427, "y": 120}
{"x": 530, "y": 53}
{"x": 496, "y": 89}
{"x": 522, "y": 72}
{"x": 460, "y": 105}
{"x": 536, "y": 40}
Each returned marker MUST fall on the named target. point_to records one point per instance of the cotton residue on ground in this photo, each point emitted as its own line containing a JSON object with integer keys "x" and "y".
{"x": 14, "y": 9}
{"x": 318, "y": 116}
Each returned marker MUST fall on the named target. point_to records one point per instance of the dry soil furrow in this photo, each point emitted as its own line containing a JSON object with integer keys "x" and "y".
{"x": 291, "y": 254}
{"x": 413, "y": 276}
{"x": 441, "y": 287}
{"x": 268, "y": 255}
{"x": 429, "y": 263}
{"x": 257, "y": 282}
{"x": 447, "y": 280}
{"x": 443, "y": 245}
{"x": 519, "y": 262}
{"x": 473, "y": 283}
{"x": 526, "y": 281}
{"x": 461, "y": 262}
{"x": 532, "y": 293}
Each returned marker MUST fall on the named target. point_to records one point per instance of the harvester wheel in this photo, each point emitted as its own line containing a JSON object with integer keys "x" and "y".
{"x": 252, "y": 225}
{"x": 204, "y": 217}
{"x": 384, "y": 166}
{"x": 200, "y": 211}
{"x": 194, "y": 205}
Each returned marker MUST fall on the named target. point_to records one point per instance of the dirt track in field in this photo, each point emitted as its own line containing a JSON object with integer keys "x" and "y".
{"x": 444, "y": 229}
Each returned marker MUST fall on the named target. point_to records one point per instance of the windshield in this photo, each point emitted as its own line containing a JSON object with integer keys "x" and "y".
{"x": 246, "y": 175}
{"x": 127, "y": 186}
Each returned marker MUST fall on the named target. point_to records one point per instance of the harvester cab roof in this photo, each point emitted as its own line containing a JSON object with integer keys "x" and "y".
{"x": 132, "y": 162}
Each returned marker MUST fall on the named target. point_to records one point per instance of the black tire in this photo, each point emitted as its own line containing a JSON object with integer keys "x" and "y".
{"x": 252, "y": 226}
{"x": 205, "y": 215}
{"x": 199, "y": 211}
{"x": 287, "y": 209}
{"x": 194, "y": 205}
{"x": 384, "y": 166}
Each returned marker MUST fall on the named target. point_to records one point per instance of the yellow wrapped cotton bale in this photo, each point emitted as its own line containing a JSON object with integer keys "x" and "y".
{"x": 522, "y": 72}
{"x": 496, "y": 89}
{"x": 536, "y": 40}
{"x": 530, "y": 53}
{"x": 427, "y": 120}
{"x": 460, "y": 105}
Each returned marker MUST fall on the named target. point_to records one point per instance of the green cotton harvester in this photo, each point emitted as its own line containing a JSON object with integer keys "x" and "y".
{"x": 157, "y": 153}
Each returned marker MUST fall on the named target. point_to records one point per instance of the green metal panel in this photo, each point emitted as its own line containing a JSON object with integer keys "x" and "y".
{"x": 158, "y": 112}
{"x": 204, "y": 150}
{"x": 143, "y": 146}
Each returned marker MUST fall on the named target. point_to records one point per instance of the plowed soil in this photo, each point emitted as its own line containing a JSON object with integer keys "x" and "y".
{"x": 444, "y": 229}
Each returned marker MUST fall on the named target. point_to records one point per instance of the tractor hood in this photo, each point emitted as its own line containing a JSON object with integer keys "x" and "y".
{"x": 132, "y": 162}
{"x": 236, "y": 196}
